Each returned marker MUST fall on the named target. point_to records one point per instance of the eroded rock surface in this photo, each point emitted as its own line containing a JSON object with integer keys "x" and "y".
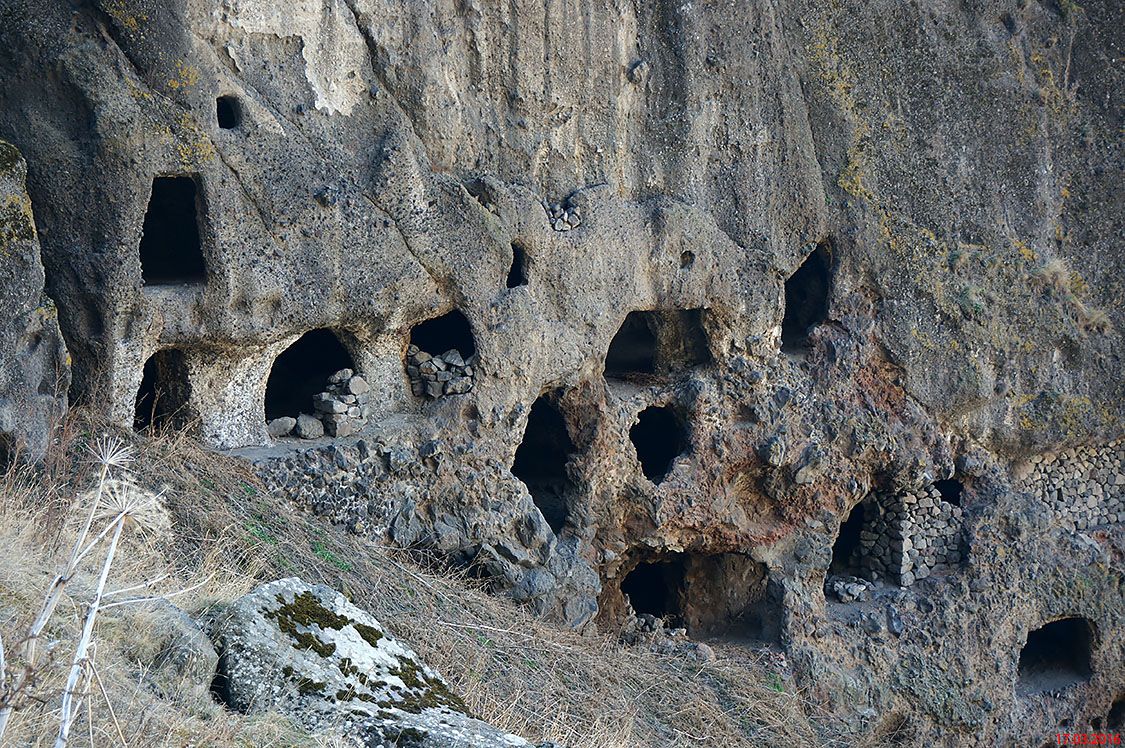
{"x": 309, "y": 653}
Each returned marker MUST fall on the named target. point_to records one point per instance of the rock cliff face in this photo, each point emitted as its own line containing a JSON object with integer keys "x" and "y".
{"x": 750, "y": 302}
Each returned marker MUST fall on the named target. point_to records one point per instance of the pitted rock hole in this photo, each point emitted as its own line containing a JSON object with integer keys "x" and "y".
{"x": 1056, "y": 656}
{"x": 950, "y": 490}
{"x": 228, "y": 112}
{"x": 171, "y": 252}
{"x": 657, "y": 343}
{"x": 846, "y": 551}
{"x": 441, "y": 358}
{"x": 541, "y": 461}
{"x": 165, "y": 393}
{"x": 517, "y": 273}
{"x": 806, "y": 299}
{"x": 301, "y": 372}
{"x": 659, "y": 438}
{"x": 713, "y": 595}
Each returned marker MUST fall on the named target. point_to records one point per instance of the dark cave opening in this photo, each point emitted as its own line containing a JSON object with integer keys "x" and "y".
{"x": 450, "y": 331}
{"x": 806, "y": 298}
{"x": 729, "y": 596}
{"x": 654, "y": 587}
{"x": 950, "y": 490}
{"x": 302, "y": 370}
{"x": 7, "y": 453}
{"x": 633, "y": 348}
{"x": 1056, "y": 656}
{"x": 541, "y": 460}
{"x": 171, "y": 251}
{"x": 659, "y": 438}
{"x": 657, "y": 342}
{"x": 517, "y": 273}
{"x": 164, "y": 395}
{"x": 1116, "y": 718}
{"x": 845, "y": 551}
{"x": 228, "y": 112}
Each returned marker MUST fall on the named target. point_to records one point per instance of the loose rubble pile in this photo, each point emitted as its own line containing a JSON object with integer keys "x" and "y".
{"x": 1085, "y": 486}
{"x": 847, "y": 589}
{"x": 436, "y": 376}
{"x": 341, "y": 410}
{"x": 566, "y": 215}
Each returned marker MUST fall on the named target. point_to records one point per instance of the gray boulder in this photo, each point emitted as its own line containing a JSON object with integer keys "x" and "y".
{"x": 176, "y": 654}
{"x": 309, "y": 427}
{"x": 309, "y": 653}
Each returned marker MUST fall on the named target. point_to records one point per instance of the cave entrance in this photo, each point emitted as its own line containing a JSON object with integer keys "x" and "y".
{"x": 163, "y": 399}
{"x": 7, "y": 453}
{"x": 171, "y": 252}
{"x": 228, "y": 112}
{"x": 448, "y": 332}
{"x": 1116, "y": 718}
{"x": 517, "y": 273}
{"x": 1056, "y": 656}
{"x": 950, "y": 490}
{"x": 541, "y": 461}
{"x": 659, "y": 438}
{"x": 302, "y": 371}
{"x": 655, "y": 587}
{"x": 656, "y": 343}
{"x": 806, "y": 299}
{"x": 846, "y": 551}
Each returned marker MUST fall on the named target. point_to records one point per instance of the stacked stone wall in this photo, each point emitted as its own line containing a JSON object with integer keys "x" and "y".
{"x": 1084, "y": 486}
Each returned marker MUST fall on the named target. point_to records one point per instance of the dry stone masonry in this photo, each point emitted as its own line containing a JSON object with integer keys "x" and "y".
{"x": 438, "y": 376}
{"x": 340, "y": 410}
{"x": 911, "y": 535}
{"x": 1083, "y": 486}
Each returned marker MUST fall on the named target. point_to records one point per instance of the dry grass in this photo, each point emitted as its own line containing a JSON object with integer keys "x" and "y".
{"x": 583, "y": 691}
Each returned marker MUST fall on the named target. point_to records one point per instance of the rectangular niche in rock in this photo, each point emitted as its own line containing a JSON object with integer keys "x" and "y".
{"x": 657, "y": 342}
{"x": 724, "y": 596}
{"x": 1056, "y": 656}
{"x": 171, "y": 250}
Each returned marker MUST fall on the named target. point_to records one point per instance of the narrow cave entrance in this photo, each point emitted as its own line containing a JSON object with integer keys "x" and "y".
{"x": 657, "y": 342}
{"x": 1056, "y": 656}
{"x": 171, "y": 252}
{"x": 228, "y": 112}
{"x": 449, "y": 332}
{"x": 163, "y": 399}
{"x": 659, "y": 438}
{"x": 7, "y": 453}
{"x": 950, "y": 490}
{"x": 655, "y": 587}
{"x": 517, "y": 273}
{"x": 302, "y": 370}
{"x": 806, "y": 299}
{"x": 541, "y": 461}
{"x": 846, "y": 551}
{"x": 633, "y": 349}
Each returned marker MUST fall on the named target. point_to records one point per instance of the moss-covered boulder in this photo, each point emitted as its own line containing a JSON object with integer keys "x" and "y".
{"x": 309, "y": 653}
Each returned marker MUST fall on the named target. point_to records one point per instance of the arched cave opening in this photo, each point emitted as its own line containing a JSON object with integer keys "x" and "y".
{"x": 950, "y": 490}
{"x": 1116, "y": 718}
{"x": 1056, "y": 656}
{"x": 657, "y": 342}
{"x": 541, "y": 460}
{"x": 450, "y": 331}
{"x": 655, "y": 587}
{"x": 659, "y": 438}
{"x": 228, "y": 112}
{"x": 806, "y": 298}
{"x": 846, "y": 549}
{"x": 302, "y": 370}
{"x": 171, "y": 251}
{"x": 517, "y": 272}
{"x": 163, "y": 399}
{"x": 633, "y": 349}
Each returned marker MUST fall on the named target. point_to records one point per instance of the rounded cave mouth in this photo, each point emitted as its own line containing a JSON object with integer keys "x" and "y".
{"x": 302, "y": 371}
{"x": 449, "y": 332}
{"x": 659, "y": 437}
{"x": 1056, "y": 656}
{"x": 658, "y": 342}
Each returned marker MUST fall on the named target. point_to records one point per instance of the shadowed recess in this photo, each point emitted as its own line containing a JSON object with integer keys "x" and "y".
{"x": 654, "y": 587}
{"x": 228, "y": 112}
{"x": 165, "y": 392}
{"x": 806, "y": 298}
{"x": 846, "y": 549}
{"x": 170, "y": 245}
{"x": 659, "y": 438}
{"x": 450, "y": 331}
{"x": 1056, "y": 656}
{"x": 657, "y": 342}
{"x": 541, "y": 461}
{"x": 950, "y": 490}
{"x": 302, "y": 370}
{"x": 517, "y": 273}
